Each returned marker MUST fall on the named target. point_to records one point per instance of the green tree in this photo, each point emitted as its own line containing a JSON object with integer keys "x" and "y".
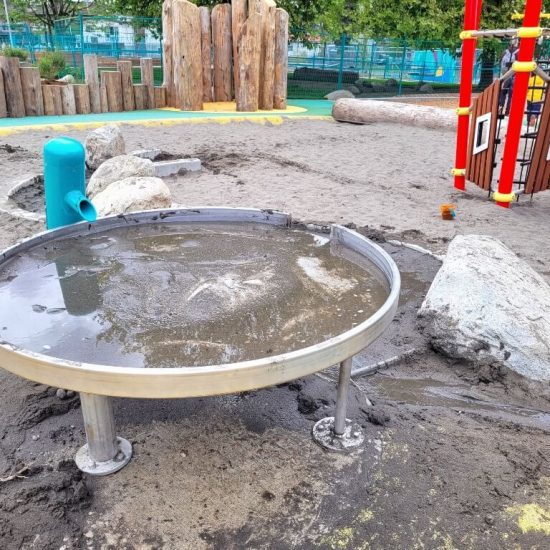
{"x": 304, "y": 14}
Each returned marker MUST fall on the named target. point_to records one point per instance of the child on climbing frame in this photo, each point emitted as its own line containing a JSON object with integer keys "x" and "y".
{"x": 534, "y": 99}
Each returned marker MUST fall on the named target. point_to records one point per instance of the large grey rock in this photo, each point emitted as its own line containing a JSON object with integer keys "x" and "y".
{"x": 339, "y": 94}
{"x": 486, "y": 305}
{"x": 132, "y": 194}
{"x": 116, "y": 169}
{"x": 102, "y": 144}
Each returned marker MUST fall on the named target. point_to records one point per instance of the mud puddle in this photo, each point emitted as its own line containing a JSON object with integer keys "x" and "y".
{"x": 427, "y": 392}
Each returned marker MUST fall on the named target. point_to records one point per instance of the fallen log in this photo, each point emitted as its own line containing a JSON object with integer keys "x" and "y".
{"x": 367, "y": 111}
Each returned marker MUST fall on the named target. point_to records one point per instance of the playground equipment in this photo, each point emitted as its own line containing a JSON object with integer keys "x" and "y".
{"x": 118, "y": 310}
{"x": 477, "y": 144}
{"x": 248, "y": 42}
{"x": 65, "y": 184}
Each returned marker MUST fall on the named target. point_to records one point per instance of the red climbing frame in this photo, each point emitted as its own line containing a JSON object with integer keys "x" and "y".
{"x": 523, "y": 67}
{"x": 472, "y": 16}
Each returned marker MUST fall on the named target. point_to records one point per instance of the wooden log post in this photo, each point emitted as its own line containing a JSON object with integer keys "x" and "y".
{"x": 57, "y": 99}
{"x": 280, "y": 83}
{"x": 3, "y": 106}
{"x": 206, "y": 54}
{"x": 168, "y": 52}
{"x": 249, "y": 63}
{"x": 125, "y": 70}
{"x": 238, "y": 17}
{"x": 12, "y": 86}
{"x": 112, "y": 83}
{"x": 47, "y": 96}
{"x": 223, "y": 52}
{"x": 32, "y": 91}
{"x": 160, "y": 97}
{"x": 91, "y": 77}
{"x": 267, "y": 64}
{"x": 254, "y": 6}
{"x": 187, "y": 55}
{"x": 68, "y": 99}
{"x": 148, "y": 80}
{"x": 140, "y": 95}
{"x": 82, "y": 99}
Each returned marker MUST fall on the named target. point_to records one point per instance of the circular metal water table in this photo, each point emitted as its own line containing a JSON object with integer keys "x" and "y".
{"x": 190, "y": 303}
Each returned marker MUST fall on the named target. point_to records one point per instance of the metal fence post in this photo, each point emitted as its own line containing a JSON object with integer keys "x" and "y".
{"x": 341, "y": 67}
{"x": 402, "y": 70}
{"x": 82, "y": 51}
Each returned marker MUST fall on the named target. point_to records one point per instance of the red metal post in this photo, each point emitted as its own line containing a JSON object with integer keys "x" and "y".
{"x": 519, "y": 97}
{"x": 472, "y": 16}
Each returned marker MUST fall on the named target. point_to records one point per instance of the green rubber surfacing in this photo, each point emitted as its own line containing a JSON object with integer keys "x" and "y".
{"x": 313, "y": 108}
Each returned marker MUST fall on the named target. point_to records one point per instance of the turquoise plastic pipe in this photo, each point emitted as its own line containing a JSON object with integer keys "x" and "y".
{"x": 65, "y": 183}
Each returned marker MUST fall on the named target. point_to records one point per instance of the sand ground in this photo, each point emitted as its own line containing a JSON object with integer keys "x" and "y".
{"x": 457, "y": 457}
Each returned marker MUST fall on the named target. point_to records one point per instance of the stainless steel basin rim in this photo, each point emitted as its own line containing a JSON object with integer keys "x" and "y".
{"x": 208, "y": 380}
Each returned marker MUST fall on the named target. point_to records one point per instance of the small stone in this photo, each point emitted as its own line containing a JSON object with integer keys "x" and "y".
{"x": 489, "y": 519}
{"x": 35, "y": 437}
{"x": 102, "y": 144}
{"x": 70, "y": 393}
{"x": 61, "y": 393}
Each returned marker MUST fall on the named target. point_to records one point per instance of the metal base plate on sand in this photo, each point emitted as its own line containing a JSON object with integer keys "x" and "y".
{"x": 350, "y": 440}
{"x": 88, "y": 465}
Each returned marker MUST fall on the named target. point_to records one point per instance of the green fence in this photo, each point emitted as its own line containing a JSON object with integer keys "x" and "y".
{"x": 367, "y": 67}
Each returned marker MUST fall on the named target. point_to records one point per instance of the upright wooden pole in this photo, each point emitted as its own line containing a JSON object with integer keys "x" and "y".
{"x": 91, "y": 76}
{"x": 160, "y": 97}
{"x": 3, "y": 106}
{"x": 267, "y": 64}
{"x": 206, "y": 54}
{"x": 148, "y": 80}
{"x": 125, "y": 70}
{"x": 238, "y": 17}
{"x": 68, "y": 99}
{"x": 47, "y": 95}
{"x": 168, "y": 51}
{"x": 12, "y": 86}
{"x": 82, "y": 99}
{"x": 140, "y": 94}
{"x": 112, "y": 83}
{"x": 524, "y": 66}
{"x": 57, "y": 99}
{"x": 32, "y": 91}
{"x": 221, "y": 38}
{"x": 472, "y": 17}
{"x": 249, "y": 63}
{"x": 187, "y": 55}
{"x": 254, "y": 6}
{"x": 280, "y": 83}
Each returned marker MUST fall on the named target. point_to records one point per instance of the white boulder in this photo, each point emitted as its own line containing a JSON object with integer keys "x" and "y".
{"x": 132, "y": 194}
{"x": 116, "y": 169}
{"x": 102, "y": 144}
{"x": 486, "y": 305}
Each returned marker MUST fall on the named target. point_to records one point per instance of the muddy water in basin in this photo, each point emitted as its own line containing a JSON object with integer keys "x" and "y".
{"x": 171, "y": 295}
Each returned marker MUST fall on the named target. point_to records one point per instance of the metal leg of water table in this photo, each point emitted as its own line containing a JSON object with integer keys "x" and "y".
{"x": 104, "y": 452}
{"x": 337, "y": 433}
